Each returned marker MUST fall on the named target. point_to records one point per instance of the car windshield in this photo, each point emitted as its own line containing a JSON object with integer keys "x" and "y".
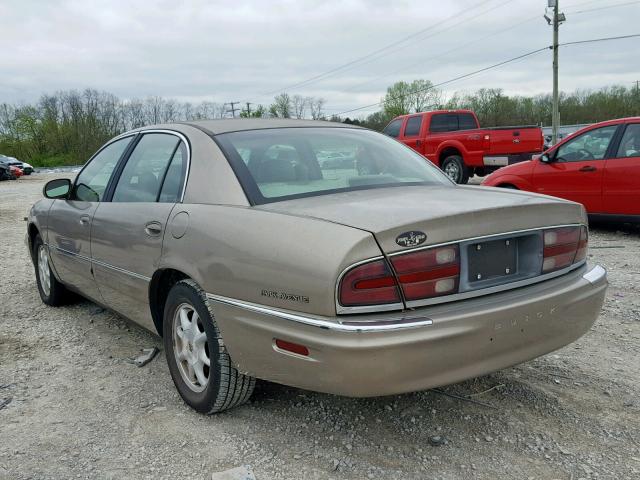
{"x": 286, "y": 163}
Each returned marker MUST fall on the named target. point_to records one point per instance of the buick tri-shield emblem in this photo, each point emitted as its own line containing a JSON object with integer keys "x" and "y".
{"x": 411, "y": 239}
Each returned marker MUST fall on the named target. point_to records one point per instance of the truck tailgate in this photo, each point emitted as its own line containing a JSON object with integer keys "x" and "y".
{"x": 513, "y": 141}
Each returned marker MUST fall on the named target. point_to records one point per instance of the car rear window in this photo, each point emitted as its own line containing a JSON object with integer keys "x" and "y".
{"x": 285, "y": 163}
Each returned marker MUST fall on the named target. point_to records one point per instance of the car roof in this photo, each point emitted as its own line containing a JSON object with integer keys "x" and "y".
{"x": 227, "y": 125}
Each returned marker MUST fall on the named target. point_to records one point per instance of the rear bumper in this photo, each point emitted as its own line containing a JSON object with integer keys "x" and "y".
{"x": 421, "y": 349}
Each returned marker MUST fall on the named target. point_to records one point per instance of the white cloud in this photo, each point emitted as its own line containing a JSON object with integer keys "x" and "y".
{"x": 224, "y": 51}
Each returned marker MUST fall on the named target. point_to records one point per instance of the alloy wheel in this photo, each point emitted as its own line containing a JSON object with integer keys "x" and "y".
{"x": 191, "y": 348}
{"x": 453, "y": 171}
{"x": 43, "y": 270}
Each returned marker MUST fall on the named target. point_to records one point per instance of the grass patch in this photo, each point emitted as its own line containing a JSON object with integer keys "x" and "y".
{"x": 59, "y": 160}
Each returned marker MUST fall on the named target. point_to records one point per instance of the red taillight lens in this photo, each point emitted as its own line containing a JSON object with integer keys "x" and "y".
{"x": 292, "y": 347}
{"x": 369, "y": 284}
{"x": 428, "y": 273}
{"x": 563, "y": 247}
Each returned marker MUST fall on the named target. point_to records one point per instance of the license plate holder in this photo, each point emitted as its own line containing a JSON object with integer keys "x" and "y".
{"x": 492, "y": 259}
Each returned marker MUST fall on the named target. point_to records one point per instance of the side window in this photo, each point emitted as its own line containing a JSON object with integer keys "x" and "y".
{"x": 393, "y": 129}
{"x": 630, "y": 143}
{"x": 413, "y": 126}
{"x": 466, "y": 121}
{"x": 174, "y": 178}
{"x": 591, "y": 145}
{"x": 142, "y": 175}
{"x": 443, "y": 122}
{"x": 92, "y": 181}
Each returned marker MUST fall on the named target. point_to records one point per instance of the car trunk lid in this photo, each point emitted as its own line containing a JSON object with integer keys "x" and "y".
{"x": 443, "y": 214}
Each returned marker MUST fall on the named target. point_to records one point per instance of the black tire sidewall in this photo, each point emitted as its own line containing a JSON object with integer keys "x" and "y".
{"x": 462, "y": 169}
{"x": 199, "y": 401}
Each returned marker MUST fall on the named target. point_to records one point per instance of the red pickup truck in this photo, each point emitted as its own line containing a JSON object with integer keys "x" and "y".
{"x": 454, "y": 141}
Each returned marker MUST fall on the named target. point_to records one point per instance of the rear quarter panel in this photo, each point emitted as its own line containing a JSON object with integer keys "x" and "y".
{"x": 39, "y": 216}
{"x": 273, "y": 259}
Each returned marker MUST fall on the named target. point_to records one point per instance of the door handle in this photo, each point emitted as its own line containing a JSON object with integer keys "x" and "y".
{"x": 85, "y": 220}
{"x": 588, "y": 168}
{"x": 153, "y": 228}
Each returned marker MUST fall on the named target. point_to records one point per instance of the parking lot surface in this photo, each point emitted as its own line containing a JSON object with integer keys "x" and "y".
{"x": 73, "y": 406}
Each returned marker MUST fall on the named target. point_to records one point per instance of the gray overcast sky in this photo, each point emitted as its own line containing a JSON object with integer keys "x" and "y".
{"x": 240, "y": 50}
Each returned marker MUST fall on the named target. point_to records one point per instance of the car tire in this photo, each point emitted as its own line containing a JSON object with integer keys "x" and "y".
{"x": 189, "y": 332}
{"x": 52, "y": 292}
{"x": 453, "y": 166}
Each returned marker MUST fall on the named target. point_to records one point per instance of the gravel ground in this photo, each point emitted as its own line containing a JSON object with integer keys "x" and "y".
{"x": 79, "y": 409}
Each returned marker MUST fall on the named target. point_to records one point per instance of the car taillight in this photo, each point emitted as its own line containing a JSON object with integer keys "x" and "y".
{"x": 428, "y": 273}
{"x": 563, "y": 247}
{"x": 369, "y": 284}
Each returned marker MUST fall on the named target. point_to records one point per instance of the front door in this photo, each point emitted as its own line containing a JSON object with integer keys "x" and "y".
{"x": 69, "y": 221}
{"x": 411, "y": 135}
{"x": 576, "y": 169}
{"x": 621, "y": 185}
{"x": 127, "y": 232}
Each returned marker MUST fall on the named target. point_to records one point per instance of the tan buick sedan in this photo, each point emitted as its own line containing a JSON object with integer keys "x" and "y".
{"x": 312, "y": 254}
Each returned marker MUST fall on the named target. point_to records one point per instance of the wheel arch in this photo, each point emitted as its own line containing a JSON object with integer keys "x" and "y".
{"x": 448, "y": 149}
{"x": 497, "y": 180}
{"x": 32, "y": 231}
{"x": 161, "y": 283}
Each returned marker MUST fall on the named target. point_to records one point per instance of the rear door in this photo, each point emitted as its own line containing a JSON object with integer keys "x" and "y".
{"x": 621, "y": 184}
{"x": 69, "y": 222}
{"x": 411, "y": 133}
{"x": 576, "y": 171}
{"x": 128, "y": 231}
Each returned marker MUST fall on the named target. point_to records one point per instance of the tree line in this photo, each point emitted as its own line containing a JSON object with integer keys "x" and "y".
{"x": 495, "y": 109}
{"x": 69, "y": 126}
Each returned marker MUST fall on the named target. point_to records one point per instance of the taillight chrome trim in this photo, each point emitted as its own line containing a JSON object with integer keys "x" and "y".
{"x": 456, "y": 296}
{"x": 385, "y": 307}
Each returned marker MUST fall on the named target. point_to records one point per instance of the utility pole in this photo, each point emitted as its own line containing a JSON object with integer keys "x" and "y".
{"x": 233, "y": 108}
{"x": 248, "y": 109}
{"x": 558, "y": 18}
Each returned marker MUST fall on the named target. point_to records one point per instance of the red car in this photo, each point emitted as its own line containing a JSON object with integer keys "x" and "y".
{"x": 16, "y": 172}
{"x": 454, "y": 141}
{"x": 598, "y": 166}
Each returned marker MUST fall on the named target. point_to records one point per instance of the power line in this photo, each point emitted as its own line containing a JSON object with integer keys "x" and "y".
{"x": 446, "y": 29}
{"x": 604, "y": 39}
{"x": 375, "y": 52}
{"x": 473, "y": 42}
{"x": 495, "y": 65}
{"x": 490, "y": 67}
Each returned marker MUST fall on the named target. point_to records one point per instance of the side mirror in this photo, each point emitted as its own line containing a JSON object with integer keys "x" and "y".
{"x": 58, "y": 188}
{"x": 544, "y": 158}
